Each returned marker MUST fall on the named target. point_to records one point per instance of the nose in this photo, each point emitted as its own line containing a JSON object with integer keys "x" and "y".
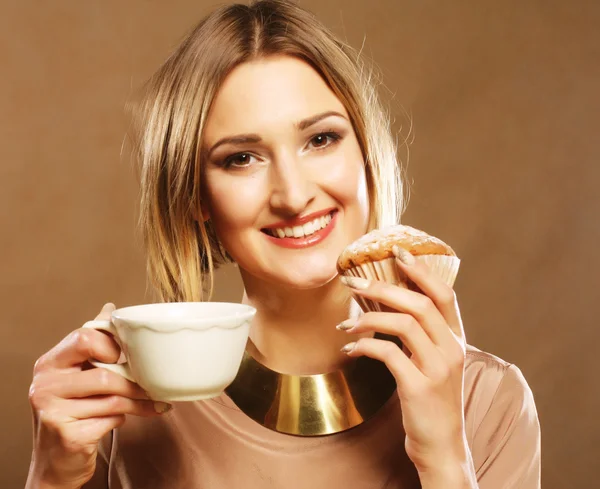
{"x": 292, "y": 188}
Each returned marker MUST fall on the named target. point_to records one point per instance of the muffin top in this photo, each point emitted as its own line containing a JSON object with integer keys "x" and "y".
{"x": 377, "y": 245}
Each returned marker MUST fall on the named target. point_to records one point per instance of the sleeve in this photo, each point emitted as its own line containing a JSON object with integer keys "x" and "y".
{"x": 506, "y": 446}
{"x": 100, "y": 478}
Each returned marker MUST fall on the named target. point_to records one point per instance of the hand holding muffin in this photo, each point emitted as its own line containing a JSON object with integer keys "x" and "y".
{"x": 403, "y": 280}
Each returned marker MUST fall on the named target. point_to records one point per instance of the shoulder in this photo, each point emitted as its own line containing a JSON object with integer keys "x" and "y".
{"x": 494, "y": 388}
{"x": 476, "y": 358}
{"x": 483, "y": 369}
{"x": 501, "y": 422}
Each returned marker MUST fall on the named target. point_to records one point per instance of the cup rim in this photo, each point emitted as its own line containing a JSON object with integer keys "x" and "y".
{"x": 239, "y": 312}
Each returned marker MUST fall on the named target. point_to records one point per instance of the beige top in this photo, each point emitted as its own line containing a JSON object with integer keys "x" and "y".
{"x": 213, "y": 445}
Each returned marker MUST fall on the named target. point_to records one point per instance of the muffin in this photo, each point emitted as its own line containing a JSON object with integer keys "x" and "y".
{"x": 371, "y": 257}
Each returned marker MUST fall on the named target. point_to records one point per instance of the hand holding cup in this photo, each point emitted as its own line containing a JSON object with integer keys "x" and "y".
{"x": 173, "y": 352}
{"x": 74, "y": 407}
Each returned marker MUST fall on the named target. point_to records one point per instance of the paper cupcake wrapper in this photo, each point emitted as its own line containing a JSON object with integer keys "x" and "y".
{"x": 446, "y": 267}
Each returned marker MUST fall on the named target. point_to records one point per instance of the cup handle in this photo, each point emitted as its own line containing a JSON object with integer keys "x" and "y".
{"x": 119, "y": 368}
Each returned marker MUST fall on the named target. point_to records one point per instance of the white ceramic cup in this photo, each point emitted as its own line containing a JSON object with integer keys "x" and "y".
{"x": 179, "y": 351}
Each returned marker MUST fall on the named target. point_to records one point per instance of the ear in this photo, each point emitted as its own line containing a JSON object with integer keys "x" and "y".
{"x": 201, "y": 214}
{"x": 205, "y": 214}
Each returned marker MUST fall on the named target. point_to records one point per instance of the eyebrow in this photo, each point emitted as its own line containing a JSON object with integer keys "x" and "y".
{"x": 310, "y": 121}
{"x": 255, "y": 138}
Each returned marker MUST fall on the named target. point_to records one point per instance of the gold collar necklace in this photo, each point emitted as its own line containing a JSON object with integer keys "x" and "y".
{"x": 312, "y": 405}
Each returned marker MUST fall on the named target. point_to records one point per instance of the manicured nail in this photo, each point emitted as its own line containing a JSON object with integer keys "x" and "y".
{"x": 346, "y": 325}
{"x": 403, "y": 255}
{"x": 357, "y": 283}
{"x": 162, "y": 407}
{"x": 349, "y": 347}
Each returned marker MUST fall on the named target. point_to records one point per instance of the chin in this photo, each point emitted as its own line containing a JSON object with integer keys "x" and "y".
{"x": 305, "y": 278}
{"x": 309, "y": 283}
{"x": 294, "y": 269}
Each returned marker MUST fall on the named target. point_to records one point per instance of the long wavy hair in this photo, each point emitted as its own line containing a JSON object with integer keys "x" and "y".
{"x": 183, "y": 251}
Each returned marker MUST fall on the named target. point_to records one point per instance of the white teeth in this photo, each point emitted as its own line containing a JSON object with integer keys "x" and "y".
{"x": 304, "y": 230}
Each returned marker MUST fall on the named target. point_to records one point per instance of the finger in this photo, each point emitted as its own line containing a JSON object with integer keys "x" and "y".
{"x": 78, "y": 347}
{"x": 404, "y": 371}
{"x": 106, "y": 315}
{"x": 441, "y": 294}
{"x": 407, "y": 301}
{"x": 106, "y": 311}
{"x": 404, "y": 326}
{"x": 111, "y": 406}
{"x": 93, "y": 382}
{"x": 90, "y": 430}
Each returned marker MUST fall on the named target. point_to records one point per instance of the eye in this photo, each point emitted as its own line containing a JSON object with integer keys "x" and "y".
{"x": 239, "y": 160}
{"x": 324, "y": 139}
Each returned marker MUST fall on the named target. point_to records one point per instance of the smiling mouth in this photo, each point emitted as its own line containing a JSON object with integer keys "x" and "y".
{"x": 303, "y": 231}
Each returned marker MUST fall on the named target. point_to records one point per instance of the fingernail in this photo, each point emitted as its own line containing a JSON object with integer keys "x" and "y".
{"x": 162, "y": 407}
{"x": 108, "y": 307}
{"x": 346, "y": 325}
{"x": 357, "y": 283}
{"x": 403, "y": 255}
{"x": 349, "y": 347}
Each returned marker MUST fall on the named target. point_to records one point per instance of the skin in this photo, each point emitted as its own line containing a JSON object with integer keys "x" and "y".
{"x": 73, "y": 407}
{"x": 285, "y": 175}
{"x": 295, "y": 292}
{"x": 289, "y": 173}
{"x": 429, "y": 373}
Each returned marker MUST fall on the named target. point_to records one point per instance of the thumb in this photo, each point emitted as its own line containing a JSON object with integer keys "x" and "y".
{"x": 106, "y": 311}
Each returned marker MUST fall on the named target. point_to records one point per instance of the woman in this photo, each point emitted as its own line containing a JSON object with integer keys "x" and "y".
{"x": 260, "y": 122}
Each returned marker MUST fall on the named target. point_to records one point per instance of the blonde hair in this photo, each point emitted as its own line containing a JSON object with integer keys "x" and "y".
{"x": 181, "y": 249}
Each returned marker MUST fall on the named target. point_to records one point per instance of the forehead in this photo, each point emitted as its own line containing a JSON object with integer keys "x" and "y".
{"x": 266, "y": 94}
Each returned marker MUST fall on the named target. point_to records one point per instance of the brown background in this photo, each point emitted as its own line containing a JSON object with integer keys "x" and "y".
{"x": 506, "y": 108}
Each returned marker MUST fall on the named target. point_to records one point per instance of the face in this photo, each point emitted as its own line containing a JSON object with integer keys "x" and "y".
{"x": 284, "y": 178}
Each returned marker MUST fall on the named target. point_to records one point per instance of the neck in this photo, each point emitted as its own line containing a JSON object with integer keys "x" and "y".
{"x": 294, "y": 330}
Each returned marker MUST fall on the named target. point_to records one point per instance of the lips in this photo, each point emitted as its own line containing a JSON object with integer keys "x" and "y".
{"x": 298, "y": 230}
{"x": 306, "y": 231}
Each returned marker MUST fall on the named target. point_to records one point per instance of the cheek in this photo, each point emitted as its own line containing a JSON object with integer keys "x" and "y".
{"x": 346, "y": 179}
{"x": 233, "y": 205}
